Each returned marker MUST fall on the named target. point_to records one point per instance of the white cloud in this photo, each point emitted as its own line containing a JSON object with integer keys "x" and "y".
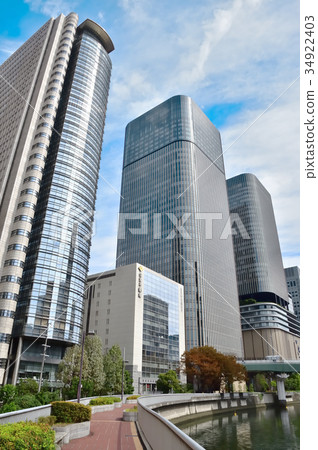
{"x": 52, "y": 8}
{"x": 270, "y": 150}
{"x": 7, "y": 47}
{"x": 219, "y": 52}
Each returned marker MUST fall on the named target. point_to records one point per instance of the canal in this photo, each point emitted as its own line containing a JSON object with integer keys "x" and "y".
{"x": 261, "y": 429}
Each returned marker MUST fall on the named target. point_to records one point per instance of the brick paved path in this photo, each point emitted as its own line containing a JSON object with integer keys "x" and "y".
{"x": 108, "y": 432}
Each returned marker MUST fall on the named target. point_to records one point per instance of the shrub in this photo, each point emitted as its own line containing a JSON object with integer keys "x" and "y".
{"x": 49, "y": 420}
{"x": 27, "y": 401}
{"x": 68, "y": 412}
{"x": 26, "y": 435}
{"x": 292, "y": 383}
{"x": 134, "y": 409}
{"x": 116, "y": 399}
{"x": 8, "y": 393}
{"x": 9, "y": 407}
{"x": 28, "y": 386}
{"x": 133, "y": 397}
{"x": 101, "y": 401}
{"x": 45, "y": 397}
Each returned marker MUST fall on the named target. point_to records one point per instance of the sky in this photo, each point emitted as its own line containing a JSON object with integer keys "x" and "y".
{"x": 237, "y": 59}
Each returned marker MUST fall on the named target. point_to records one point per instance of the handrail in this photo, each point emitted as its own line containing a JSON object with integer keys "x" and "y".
{"x": 163, "y": 429}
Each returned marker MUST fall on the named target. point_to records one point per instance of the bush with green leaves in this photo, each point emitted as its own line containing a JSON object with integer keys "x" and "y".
{"x": 292, "y": 383}
{"x": 134, "y": 409}
{"x": 49, "y": 420}
{"x": 101, "y": 401}
{"x": 46, "y": 397}
{"x": 27, "y": 401}
{"x": 133, "y": 397}
{"x": 27, "y": 386}
{"x": 25, "y": 395}
{"x": 69, "y": 412}
{"x": 26, "y": 435}
{"x": 116, "y": 399}
{"x": 8, "y": 393}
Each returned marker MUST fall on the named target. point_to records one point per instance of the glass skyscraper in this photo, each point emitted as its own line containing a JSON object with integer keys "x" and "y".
{"x": 174, "y": 217}
{"x": 259, "y": 262}
{"x": 293, "y": 286}
{"x": 269, "y": 325}
{"x": 49, "y": 181}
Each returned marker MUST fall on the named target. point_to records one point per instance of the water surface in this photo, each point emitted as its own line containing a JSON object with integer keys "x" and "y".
{"x": 261, "y": 429}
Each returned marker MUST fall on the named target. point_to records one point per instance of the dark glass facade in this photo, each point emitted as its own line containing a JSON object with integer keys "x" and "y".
{"x": 173, "y": 213}
{"x": 258, "y": 259}
{"x": 51, "y": 295}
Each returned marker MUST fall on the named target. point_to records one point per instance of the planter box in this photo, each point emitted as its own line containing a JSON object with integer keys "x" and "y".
{"x": 102, "y": 408}
{"x": 73, "y": 430}
{"x": 118, "y": 404}
{"x": 130, "y": 416}
{"x": 131, "y": 402}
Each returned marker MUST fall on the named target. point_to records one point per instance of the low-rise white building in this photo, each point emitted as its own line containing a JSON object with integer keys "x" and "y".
{"x": 141, "y": 311}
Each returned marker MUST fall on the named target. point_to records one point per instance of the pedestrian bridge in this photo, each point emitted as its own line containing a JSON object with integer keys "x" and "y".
{"x": 272, "y": 365}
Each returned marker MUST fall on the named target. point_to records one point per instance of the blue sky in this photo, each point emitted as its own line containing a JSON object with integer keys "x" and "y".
{"x": 238, "y": 60}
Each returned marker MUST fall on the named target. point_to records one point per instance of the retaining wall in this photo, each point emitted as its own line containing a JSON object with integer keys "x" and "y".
{"x": 155, "y": 414}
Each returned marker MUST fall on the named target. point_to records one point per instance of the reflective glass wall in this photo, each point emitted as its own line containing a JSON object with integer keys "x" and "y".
{"x": 173, "y": 212}
{"x": 161, "y": 325}
{"x": 259, "y": 262}
{"x": 51, "y": 296}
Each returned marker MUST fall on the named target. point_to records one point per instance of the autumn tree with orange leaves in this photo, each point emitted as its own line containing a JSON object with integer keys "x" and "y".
{"x": 206, "y": 369}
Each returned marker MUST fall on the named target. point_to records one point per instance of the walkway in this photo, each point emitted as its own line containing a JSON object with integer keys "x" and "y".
{"x": 108, "y": 432}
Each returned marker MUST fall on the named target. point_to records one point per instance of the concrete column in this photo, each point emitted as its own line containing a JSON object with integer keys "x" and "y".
{"x": 281, "y": 393}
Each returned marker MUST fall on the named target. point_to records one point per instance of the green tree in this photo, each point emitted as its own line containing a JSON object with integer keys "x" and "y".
{"x": 128, "y": 386}
{"x": 92, "y": 371}
{"x": 28, "y": 386}
{"x": 94, "y": 368}
{"x": 113, "y": 366}
{"x": 168, "y": 382}
{"x": 8, "y": 393}
{"x": 69, "y": 367}
{"x": 292, "y": 383}
{"x": 261, "y": 384}
{"x": 207, "y": 369}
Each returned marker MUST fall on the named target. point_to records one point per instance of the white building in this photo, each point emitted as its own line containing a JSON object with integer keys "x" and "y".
{"x": 141, "y": 311}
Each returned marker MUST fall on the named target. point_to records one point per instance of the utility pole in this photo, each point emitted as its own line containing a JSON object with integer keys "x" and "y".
{"x": 44, "y": 355}
{"x": 122, "y": 378}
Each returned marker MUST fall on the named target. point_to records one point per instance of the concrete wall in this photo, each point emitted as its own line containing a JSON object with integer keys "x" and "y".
{"x": 259, "y": 344}
{"x": 26, "y": 414}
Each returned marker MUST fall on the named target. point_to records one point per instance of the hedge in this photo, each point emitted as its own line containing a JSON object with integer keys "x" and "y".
{"x": 133, "y": 397}
{"x": 69, "y": 412}
{"x": 102, "y": 401}
{"x": 116, "y": 399}
{"x": 26, "y": 435}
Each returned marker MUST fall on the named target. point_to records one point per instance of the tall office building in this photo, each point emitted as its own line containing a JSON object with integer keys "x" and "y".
{"x": 293, "y": 286}
{"x": 259, "y": 264}
{"x": 174, "y": 217}
{"x": 269, "y": 325}
{"x": 54, "y": 92}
